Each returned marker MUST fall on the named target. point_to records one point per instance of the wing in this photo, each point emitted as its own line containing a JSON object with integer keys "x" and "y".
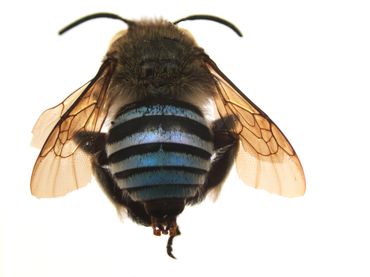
{"x": 265, "y": 159}
{"x": 62, "y": 166}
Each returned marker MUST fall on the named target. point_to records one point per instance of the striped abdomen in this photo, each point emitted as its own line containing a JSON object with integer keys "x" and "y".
{"x": 159, "y": 150}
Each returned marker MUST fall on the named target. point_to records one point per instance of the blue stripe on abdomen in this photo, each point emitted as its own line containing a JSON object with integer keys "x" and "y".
{"x": 161, "y": 158}
{"x": 157, "y": 109}
{"x": 159, "y": 135}
{"x": 161, "y": 176}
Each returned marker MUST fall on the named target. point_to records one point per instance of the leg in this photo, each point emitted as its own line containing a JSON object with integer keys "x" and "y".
{"x": 226, "y": 145}
{"x": 94, "y": 144}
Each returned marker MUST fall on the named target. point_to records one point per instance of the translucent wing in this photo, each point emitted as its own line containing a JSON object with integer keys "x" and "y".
{"x": 265, "y": 159}
{"x": 50, "y": 118}
{"x": 62, "y": 166}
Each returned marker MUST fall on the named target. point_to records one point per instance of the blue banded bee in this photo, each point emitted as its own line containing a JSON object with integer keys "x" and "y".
{"x": 160, "y": 151}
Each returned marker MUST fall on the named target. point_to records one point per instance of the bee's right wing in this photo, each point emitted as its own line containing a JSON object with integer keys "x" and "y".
{"x": 266, "y": 159}
{"x": 62, "y": 166}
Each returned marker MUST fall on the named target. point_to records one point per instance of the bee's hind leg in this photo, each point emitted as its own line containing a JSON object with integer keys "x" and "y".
{"x": 93, "y": 143}
{"x": 226, "y": 144}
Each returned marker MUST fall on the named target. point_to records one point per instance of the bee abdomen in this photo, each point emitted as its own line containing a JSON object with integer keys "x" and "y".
{"x": 159, "y": 150}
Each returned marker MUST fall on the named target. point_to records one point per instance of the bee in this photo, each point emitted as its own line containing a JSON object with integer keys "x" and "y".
{"x": 160, "y": 151}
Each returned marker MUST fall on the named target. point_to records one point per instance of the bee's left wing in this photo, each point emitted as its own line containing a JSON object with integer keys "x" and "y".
{"x": 265, "y": 159}
{"x": 62, "y": 166}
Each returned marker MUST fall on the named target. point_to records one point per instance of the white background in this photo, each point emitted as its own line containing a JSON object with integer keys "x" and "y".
{"x": 305, "y": 63}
